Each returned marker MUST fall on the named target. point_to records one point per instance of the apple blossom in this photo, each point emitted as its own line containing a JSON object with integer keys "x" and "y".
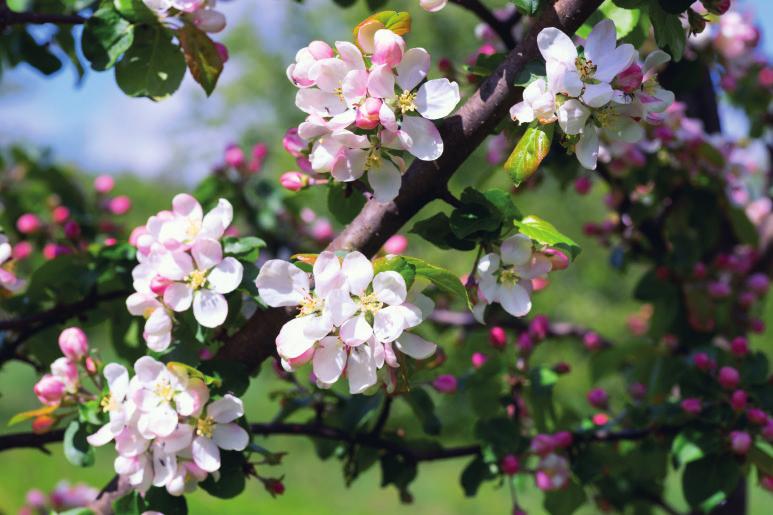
{"x": 728, "y": 377}
{"x": 104, "y": 184}
{"x": 8, "y": 280}
{"x": 509, "y": 465}
{"x": 552, "y": 473}
{"x": 28, "y": 223}
{"x": 432, "y": 6}
{"x": 73, "y": 343}
{"x": 445, "y": 383}
{"x": 215, "y": 430}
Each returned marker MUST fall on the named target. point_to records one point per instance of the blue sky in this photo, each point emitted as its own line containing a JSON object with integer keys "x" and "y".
{"x": 98, "y": 128}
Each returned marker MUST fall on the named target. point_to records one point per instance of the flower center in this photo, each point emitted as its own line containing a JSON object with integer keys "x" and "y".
{"x": 310, "y": 305}
{"x": 604, "y": 116}
{"x": 197, "y": 278}
{"x": 585, "y": 68}
{"x": 509, "y": 276}
{"x": 148, "y": 311}
{"x": 370, "y": 304}
{"x": 205, "y": 426}
{"x": 164, "y": 390}
{"x": 339, "y": 91}
{"x": 374, "y": 159}
{"x": 406, "y": 101}
{"x": 193, "y": 228}
{"x": 108, "y": 403}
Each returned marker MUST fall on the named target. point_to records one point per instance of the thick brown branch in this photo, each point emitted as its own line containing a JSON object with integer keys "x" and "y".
{"x": 424, "y": 181}
{"x": 30, "y": 440}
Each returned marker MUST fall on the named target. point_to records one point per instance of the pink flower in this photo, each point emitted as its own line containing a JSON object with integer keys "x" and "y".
{"x": 478, "y": 359}
{"x": 42, "y": 424}
{"x": 135, "y": 235}
{"x": 259, "y": 153}
{"x": 49, "y": 390}
{"x": 703, "y": 362}
{"x": 28, "y": 223}
{"x": 497, "y": 337}
{"x": 22, "y": 250}
{"x": 396, "y": 244}
{"x": 739, "y": 346}
{"x": 539, "y": 327}
{"x": 322, "y": 230}
{"x": 740, "y": 442}
{"x": 72, "y": 230}
{"x": 719, "y": 289}
{"x": 738, "y": 400}
{"x": 234, "y": 156}
{"x": 388, "y": 48}
{"x": 758, "y": 283}
{"x": 583, "y": 184}
{"x": 524, "y": 343}
{"x": 765, "y": 77}
{"x": 542, "y": 444}
{"x": 445, "y": 383}
{"x": 592, "y": 341}
{"x": 691, "y": 406}
{"x": 60, "y": 214}
{"x": 552, "y": 473}
{"x": 294, "y": 181}
{"x": 104, "y": 184}
{"x": 54, "y": 250}
{"x": 120, "y": 205}
{"x": 294, "y": 144}
{"x": 558, "y": 259}
{"x": 767, "y": 483}
{"x": 757, "y": 416}
{"x": 563, "y": 439}
{"x": 598, "y": 398}
{"x": 368, "y": 113}
{"x": 509, "y": 465}
{"x": 756, "y": 325}
{"x": 728, "y": 378}
{"x": 73, "y": 343}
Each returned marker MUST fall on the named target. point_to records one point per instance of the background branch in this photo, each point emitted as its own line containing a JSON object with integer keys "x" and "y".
{"x": 503, "y": 28}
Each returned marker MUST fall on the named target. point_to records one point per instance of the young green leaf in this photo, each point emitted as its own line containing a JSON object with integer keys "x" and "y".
{"x": 531, "y": 149}
{"x": 106, "y": 36}
{"x": 545, "y": 233}
{"x": 669, "y": 33}
{"x": 76, "y": 449}
{"x": 440, "y": 277}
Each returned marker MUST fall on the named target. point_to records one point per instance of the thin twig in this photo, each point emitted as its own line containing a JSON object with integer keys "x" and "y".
{"x": 8, "y": 18}
{"x": 503, "y": 28}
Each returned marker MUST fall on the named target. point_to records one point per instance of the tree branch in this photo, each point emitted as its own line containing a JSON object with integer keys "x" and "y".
{"x": 425, "y": 180}
{"x": 30, "y": 440}
{"x": 503, "y": 28}
{"x": 8, "y": 18}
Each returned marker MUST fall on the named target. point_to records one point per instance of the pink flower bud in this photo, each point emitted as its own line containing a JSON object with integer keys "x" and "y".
{"x": 765, "y": 77}
{"x": 747, "y": 299}
{"x": 703, "y": 362}
{"x": 497, "y": 337}
{"x": 222, "y": 52}
{"x": 542, "y": 444}
{"x": 91, "y": 365}
{"x": 598, "y": 398}
{"x": 234, "y": 156}
{"x": 539, "y": 326}
{"x": 159, "y": 284}
{"x": 104, "y": 184}
{"x": 629, "y": 80}
{"x": 539, "y": 283}
{"x": 740, "y": 442}
{"x": 320, "y": 50}
{"x": 562, "y": 368}
{"x": 259, "y": 153}
{"x": 120, "y": 205}
{"x": 558, "y": 259}
{"x": 524, "y": 343}
{"x": 600, "y": 419}
{"x": 739, "y": 346}
{"x": 756, "y": 325}
{"x": 367, "y": 114}
{"x": 478, "y": 359}
{"x": 758, "y": 283}
{"x": 294, "y": 181}
{"x": 322, "y": 230}
{"x": 73, "y": 343}
{"x": 738, "y": 400}
{"x": 109, "y": 242}
{"x": 767, "y": 431}
{"x": 445, "y": 383}
{"x": 757, "y": 416}
{"x": 208, "y": 20}
{"x": 389, "y": 48}
{"x": 49, "y": 390}
{"x": 54, "y": 250}
{"x": 592, "y": 341}
{"x": 304, "y": 164}
{"x": 583, "y": 184}
{"x": 767, "y": 483}
{"x": 28, "y": 223}
{"x": 60, "y": 214}
{"x": 22, "y": 250}
{"x": 396, "y": 244}
{"x": 691, "y": 406}
{"x": 509, "y": 465}
{"x": 728, "y": 378}
{"x": 293, "y": 143}
{"x": 42, "y": 424}
{"x": 718, "y": 7}
{"x": 275, "y": 486}
{"x": 638, "y": 391}
{"x": 563, "y": 439}
{"x": 72, "y": 230}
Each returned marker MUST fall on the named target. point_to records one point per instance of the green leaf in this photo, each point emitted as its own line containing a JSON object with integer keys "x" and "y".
{"x": 543, "y": 232}
{"x": 761, "y": 459}
{"x": 246, "y": 248}
{"x": 625, "y": 19}
{"x": 437, "y": 230}
{"x": 566, "y": 501}
{"x": 528, "y": 7}
{"x": 473, "y": 475}
{"x": 424, "y": 409}
{"x": 743, "y": 228}
{"x": 38, "y": 55}
{"x": 106, "y": 36}
{"x": 343, "y": 202}
{"x": 130, "y": 504}
{"x": 531, "y": 149}
{"x": 153, "y": 66}
{"x": 232, "y": 375}
{"x": 531, "y": 72}
{"x": 669, "y": 33}
{"x": 26, "y": 415}
{"x": 76, "y": 449}
{"x": 481, "y": 215}
{"x": 201, "y": 55}
{"x": 708, "y": 476}
{"x": 135, "y": 10}
{"x": 159, "y": 500}
{"x": 398, "y": 470}
{"x": 231, "y": 481}
{"x": 440, "y": 277}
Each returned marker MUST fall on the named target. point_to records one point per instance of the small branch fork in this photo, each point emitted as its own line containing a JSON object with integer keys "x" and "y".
{"x": 503, "y": 28}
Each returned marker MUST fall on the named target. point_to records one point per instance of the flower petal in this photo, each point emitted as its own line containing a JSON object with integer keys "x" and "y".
{"x": 601, "y": 41}
{"x": 385, "y": 179}
{"x": 206, "y": 253}
{"x": 413, "y": 68}
{"x": 415, "y": 346}
{"x": 282, "y": 284}
{"x": 358, "y": 271}
{"x": 388, "y": 323}
{"x": 515, "y": 299}
{"x": 226, "y": 276}
{"x": 597, "y": 95}
{"x": 230, "y": 437}
{"x": 226, "y": 409}
{"x": 426, "y": 143}
{"x": 516, "y": 250}
{"x": 437, "y": 98}
{"x": 554, "y": 45}
{"x": 587, "y": 148}
{"x": 205, "y": 454}
{"x": 209, "y": 308}
{"x": 389, "y": 287}
{"x": 217, "y": 220}
{"x": 361, "y": 369}
{"x": 381, "y": 82}
{"x": 291, "y": 341}
{"x": 327, "y": 273}
{"x": 329, "y": 360}
{"x": 356, "y": 331}
{"x": 178, "y": 296}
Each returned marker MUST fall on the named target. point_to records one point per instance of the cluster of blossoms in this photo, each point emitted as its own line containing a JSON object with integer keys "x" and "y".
{"x": 9, "y": 282}
{"x": 509, "y": 276}
{"x": 235, "y": 158}
{"x": 181, "y": 264}
{"x": 349, "y": 322}
{"x": 63, "y": 497}
{"x": 62, "y": 387}
{"x": 364, "y": 110}
{"x": 167, "y": 430}
{"x": 200, "y": 13}
{"x": 600, "y": 93}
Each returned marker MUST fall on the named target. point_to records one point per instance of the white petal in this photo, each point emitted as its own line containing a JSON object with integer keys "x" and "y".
{"x": 415, "y": 346}
{"x": 147, "y": 369}
{"x": 361, "y": 369}
{"x": 231, "y": 437}
{"x": 350, "y": 165}
{"x": 339, "y": 307}
{"x": 327, "y": 273}
{"x": 601, "y": 41}
{"x": 356, "y": 331}
{"x": 205, "y": 454}
{"x": 654, "y": 59}
{"x": 385, "y": 179}
{"x": 291, "y": 341}
{"x": 516, "y": 250}
{"x": 522, "y": 113}
{"x": 358, "y": 271}
{"x": 350, "y": 54}
{"x": 227, "y": 409}
{"x": 572, "y": 116}
{"x": 515, "y": 299}
{"x": 318, "y": 326}
{"x": 597, "y": 95}
{"x": 282, "y": 284}
{"x": 178, "y": 296}
{"x": 175, "y": 265}
{"x": 329, "y": 360}
{"x": 217, "y": 220}
{"x": 209, "y": 308}
{"x": 207, "y": 253}
{"x": 388, "y": 323}
{"x": 554, "y": 45}
{"x": 426, "y": 144}
{"x": 103, "y": 435}
{"x": 381, "y": 82}
{"x": 615, "y": 62}
{"x": 587, "y": 148}
{"x": 186, "y": 206}
{"x": 413, "y": 68}
{"x": 389, "y": 287}
{"x": 226, "y": 276}
{"x": 117, "y": 380}
{"x": 437, "y": 98}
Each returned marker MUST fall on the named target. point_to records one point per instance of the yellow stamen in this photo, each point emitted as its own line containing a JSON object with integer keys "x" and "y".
{"x": 508, "y": 276}
{"x": 585, "y": 68}
{"x": 374, "y": 159}
{"x": 205, "y": 426}
{"x": 197, "y": 278}
{"x": 370, "y": 303}
{"x": 108, "y": 403}
{"x": 406, "y": 101}
{"x": 193, "y": 228}
{"x": 310, "y": 305}
{"x": 148, "y": 311}
{"x": 339, "y": 91}
{"x": 164, "y": 390}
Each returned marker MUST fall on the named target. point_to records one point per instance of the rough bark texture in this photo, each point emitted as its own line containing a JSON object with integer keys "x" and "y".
{"x": 424, "y": 181}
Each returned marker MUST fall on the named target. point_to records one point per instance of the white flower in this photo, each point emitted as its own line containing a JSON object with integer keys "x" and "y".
{"x": 216, "y": 430}
{"x": 506, "y": 277}
{"x": 114, "y": 404}
{"x": 201, "y": 280}
{"x": 539, "y": 103}
{"x": 8, "y": 279}
{"x": 158, "y": 324}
